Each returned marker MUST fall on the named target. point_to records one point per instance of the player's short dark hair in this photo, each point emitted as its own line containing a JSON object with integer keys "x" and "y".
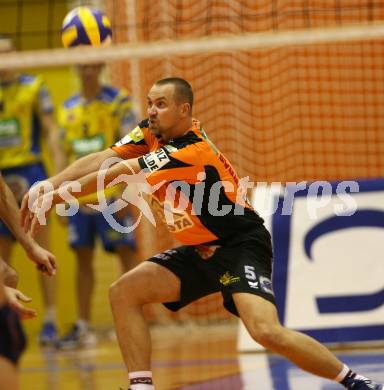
{"x": 183, "y": 90}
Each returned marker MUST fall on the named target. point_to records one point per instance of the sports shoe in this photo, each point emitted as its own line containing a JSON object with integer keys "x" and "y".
{"x": 48, "y": 334}
{"x": 362, "y": 384}
{"x": 77, "y": 338}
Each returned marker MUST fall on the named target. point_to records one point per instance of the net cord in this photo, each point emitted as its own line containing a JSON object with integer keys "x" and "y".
{"x": 212, "y": 44}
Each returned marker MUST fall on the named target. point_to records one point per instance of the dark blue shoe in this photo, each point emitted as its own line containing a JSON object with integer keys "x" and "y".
{"x": 48, "y": 334}
{"x": 362, "y": 384}
{"x": 77, "y": 338}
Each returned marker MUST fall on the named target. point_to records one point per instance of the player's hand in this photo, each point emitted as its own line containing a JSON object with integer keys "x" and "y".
{"x": 45, "y": 260}
{"x": 35, "y": 206}
{"x": 25, "y": 212}
{"x": 37, "y": 215}
{"x": 14, "y": 298}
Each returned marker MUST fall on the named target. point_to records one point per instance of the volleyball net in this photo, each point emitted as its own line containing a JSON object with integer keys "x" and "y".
{"x": 288, "y": 91}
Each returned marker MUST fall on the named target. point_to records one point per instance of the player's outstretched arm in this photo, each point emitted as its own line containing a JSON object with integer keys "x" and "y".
{"x": 89, "y": 184}
{"x": 79, "y": 168}
{"x": 9, "y": 213}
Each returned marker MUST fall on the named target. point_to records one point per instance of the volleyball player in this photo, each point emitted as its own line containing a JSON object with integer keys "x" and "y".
{"x": 26, "y": 119}
{"x": 12, "y": 339}
{"x": 225, "y": 247}
{"x": 90, "y": 120}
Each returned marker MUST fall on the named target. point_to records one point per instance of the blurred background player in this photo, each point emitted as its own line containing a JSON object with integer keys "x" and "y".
{"x": 91, "y": 121}
{"x": 26, "y": 118}
{"x": 12, "y": 339}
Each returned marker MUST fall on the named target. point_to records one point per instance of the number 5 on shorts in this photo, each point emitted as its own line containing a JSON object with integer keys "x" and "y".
{"x": 250, "y": 272}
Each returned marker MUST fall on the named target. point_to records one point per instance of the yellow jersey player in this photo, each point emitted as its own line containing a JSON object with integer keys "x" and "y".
{"x": 26, "y": 118}
{"x": 91, "y": 121}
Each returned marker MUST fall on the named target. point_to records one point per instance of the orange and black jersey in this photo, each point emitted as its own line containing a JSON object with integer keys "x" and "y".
{"x": 199, "y": 194}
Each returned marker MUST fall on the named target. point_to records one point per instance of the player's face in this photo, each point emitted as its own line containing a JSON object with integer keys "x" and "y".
{"x": 164, "y": 112}
{"x": 89, "y": 72}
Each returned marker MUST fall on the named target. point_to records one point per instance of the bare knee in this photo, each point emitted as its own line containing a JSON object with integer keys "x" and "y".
{"x": 270, "y": 336}
{"x": 123, "y": 291}
{"x": 133, "y": 288}
{"x": 146, "y": 283}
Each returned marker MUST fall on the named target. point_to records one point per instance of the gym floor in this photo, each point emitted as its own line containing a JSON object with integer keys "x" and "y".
{"x": 184, "y": 358}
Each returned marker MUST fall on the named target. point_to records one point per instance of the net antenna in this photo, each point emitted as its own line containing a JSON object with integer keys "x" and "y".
{"x": 212, "y": 44}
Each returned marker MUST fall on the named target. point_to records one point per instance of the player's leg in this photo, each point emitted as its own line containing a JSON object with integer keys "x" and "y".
{"x": 82, "y": 241}
{"x": 128, "y": 258}
{"x": 123, "y": 244}
{"x": 176, "y": 277}
{"x": 248, "y": 293}
{"x": 48, "y": 334}
{"x": 147, "y": 283}
{"x": 261, "y": 320}
{"x": 12, "y": 344}
{"x": 251, "y": 297}
{"x": 80, "y": 335}
{"x": 8, "y": 371}
{"x": 254, "y": 301}
{"x": 8, "y": 375}
{"x": 85, "y": 281}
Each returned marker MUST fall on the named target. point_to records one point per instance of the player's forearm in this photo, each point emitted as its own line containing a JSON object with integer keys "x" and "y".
{"x": 79, "y": 168}
{"x": 10, "y": 214}
{"x": 97, "y": 181}
{"x": 8, "y": 274}
{"x": 87, "y": 185}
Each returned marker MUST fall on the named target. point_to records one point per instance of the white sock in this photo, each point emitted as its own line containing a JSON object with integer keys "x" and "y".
{"x": 82, "y": 324}
{"x": 347, "y": 372}
{"x": 141, "y": 380}
{"x": 342, "y": 373}
{"x": 50, "y": 314}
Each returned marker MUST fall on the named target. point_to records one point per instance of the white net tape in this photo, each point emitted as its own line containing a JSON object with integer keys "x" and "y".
{"x": 214, "y": 44}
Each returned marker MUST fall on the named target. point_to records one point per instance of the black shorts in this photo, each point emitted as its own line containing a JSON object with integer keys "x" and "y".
{"x": 12, "y": 338}
{"x": 206, "y": 269}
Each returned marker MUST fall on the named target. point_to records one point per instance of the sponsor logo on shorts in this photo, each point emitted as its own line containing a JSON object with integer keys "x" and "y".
{"x": 266, "y": 285}
{"x": 253, "y": 284}
{"x": 166, "y": 255}
{"x": 228, "y": 279}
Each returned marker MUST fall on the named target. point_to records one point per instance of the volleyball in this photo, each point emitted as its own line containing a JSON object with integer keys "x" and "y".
{"x": 85, "y": 26}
